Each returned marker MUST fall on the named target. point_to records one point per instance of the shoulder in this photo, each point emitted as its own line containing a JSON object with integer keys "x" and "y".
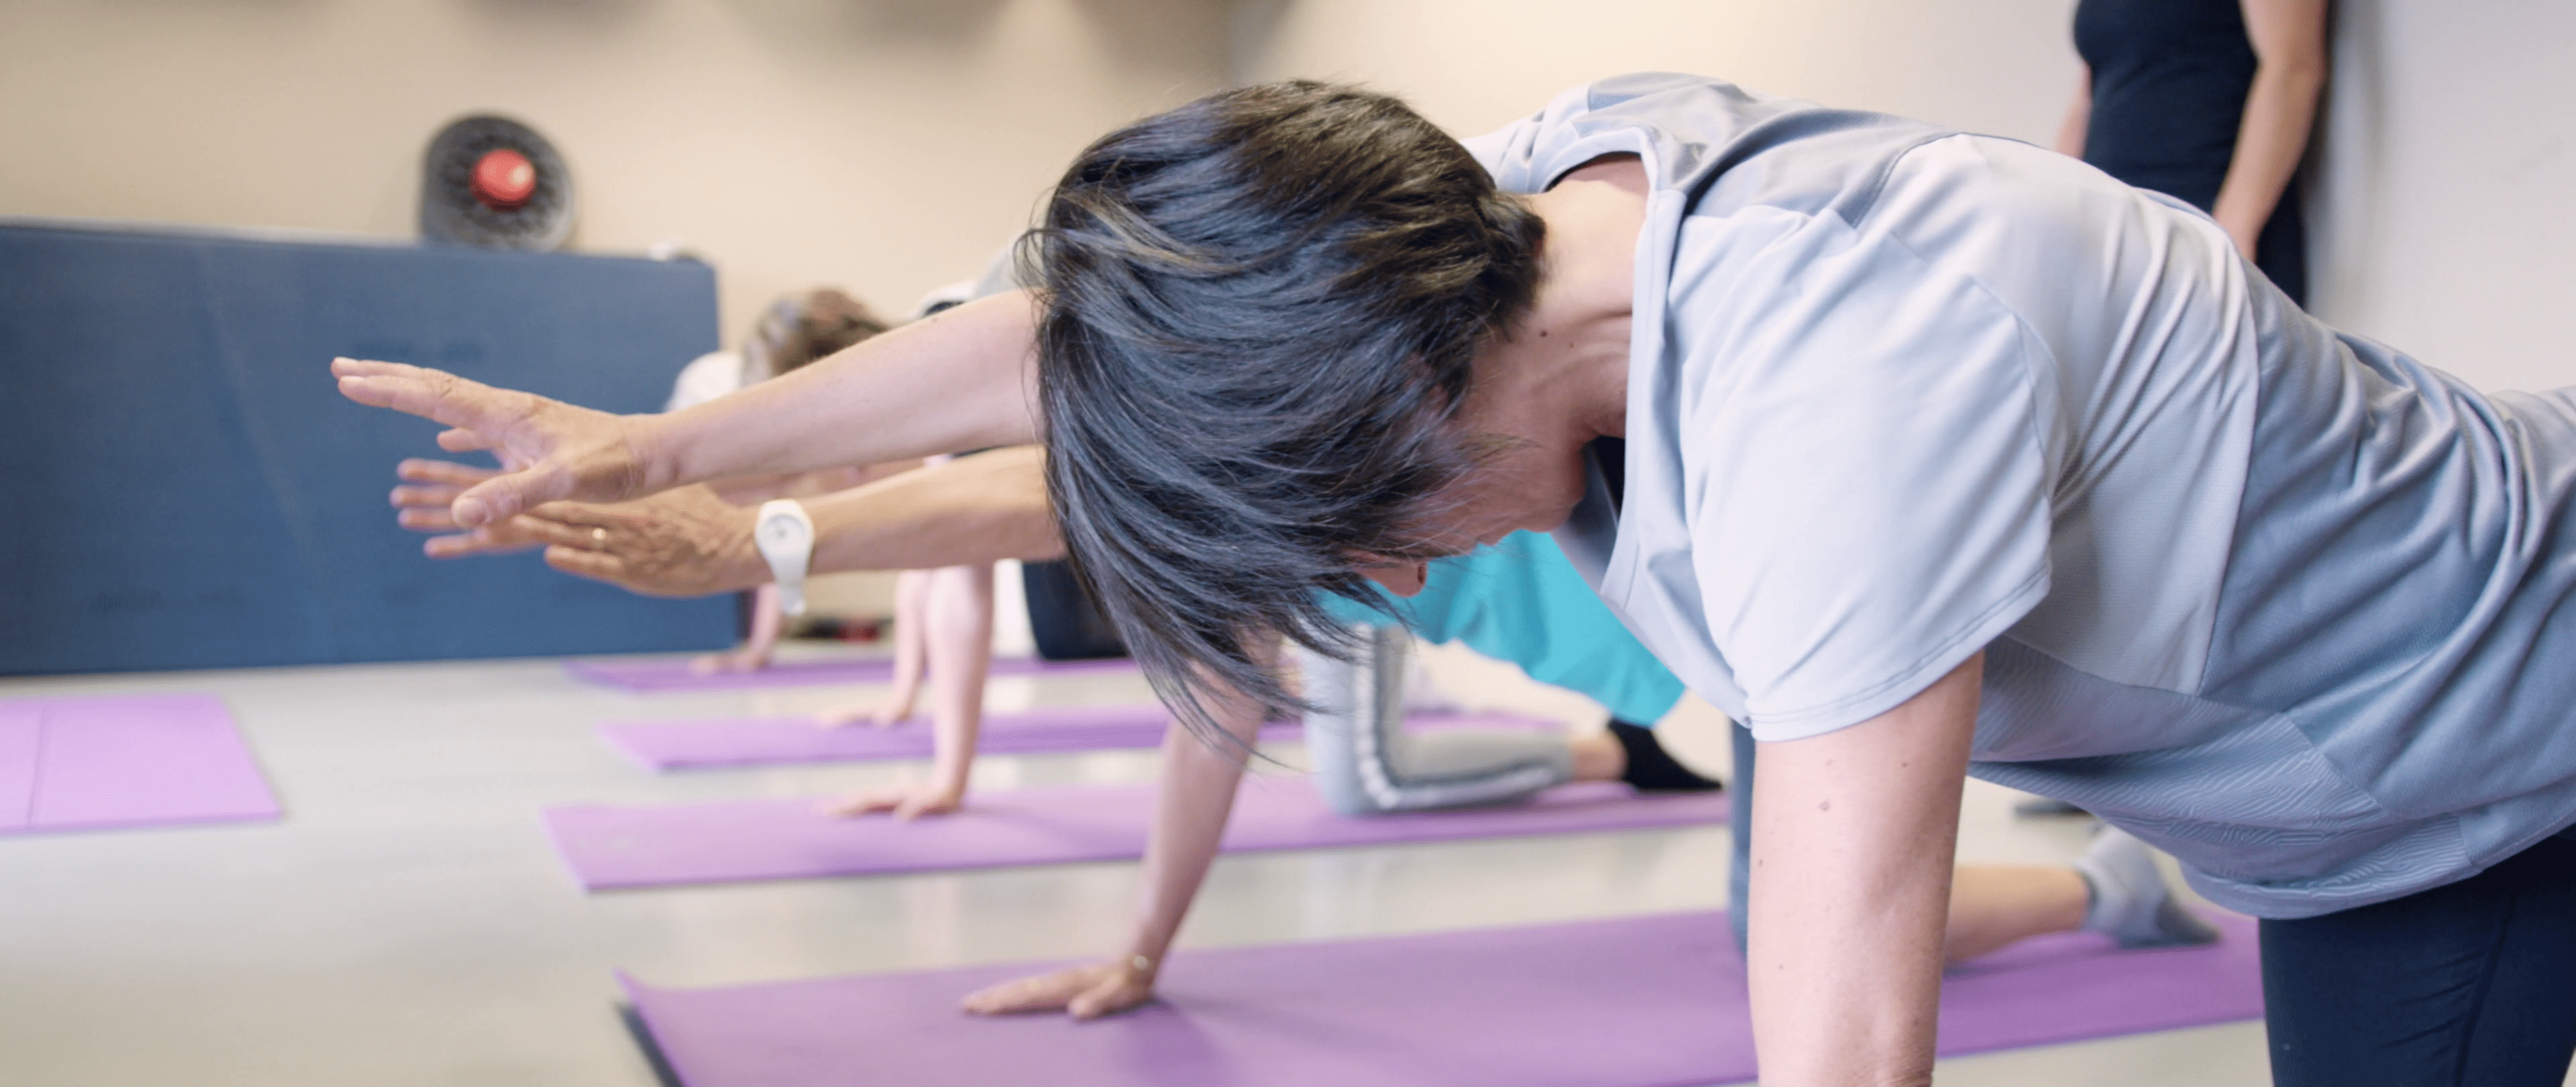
{"x": 705, "y": 378}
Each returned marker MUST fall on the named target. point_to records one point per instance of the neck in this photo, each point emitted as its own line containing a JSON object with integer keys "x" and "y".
{"x": 1573, "y": 347}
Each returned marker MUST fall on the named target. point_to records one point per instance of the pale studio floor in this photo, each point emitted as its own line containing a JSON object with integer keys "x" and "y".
{"x": 406, "y": 923}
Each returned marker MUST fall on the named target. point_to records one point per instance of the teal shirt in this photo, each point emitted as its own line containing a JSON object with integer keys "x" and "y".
{"x": 1521, "y": 601}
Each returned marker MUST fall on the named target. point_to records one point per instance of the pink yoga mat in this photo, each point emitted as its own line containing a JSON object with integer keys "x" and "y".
{"x": 145, "y": 760}
{"x": 1655, "y": 1001}
{"x": 621, "y": 847}
{"x": 673, "y": 674}
{"x": 762, "y": 741}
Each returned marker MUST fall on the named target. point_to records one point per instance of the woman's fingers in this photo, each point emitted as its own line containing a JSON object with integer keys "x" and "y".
{"x": 1119, "y": 992}
{"x": 426, "y": 519}
{"x": 461, "y": 440}
{"x": 436, "y": 496}
{"x": 425, "y": 470}
{"x": 481, "y": 541}
{"x": 557, "y": 533}
{"x": 1043, "y": 993}
{"x": 590, "y": 564}
{"x": 503, "y": 497}
{"x": 430, "y": 394}
{"x": 860, "y": 804}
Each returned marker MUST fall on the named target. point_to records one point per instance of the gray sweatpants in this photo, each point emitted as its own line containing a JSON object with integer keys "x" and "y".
{"x": 1365, "y": 763}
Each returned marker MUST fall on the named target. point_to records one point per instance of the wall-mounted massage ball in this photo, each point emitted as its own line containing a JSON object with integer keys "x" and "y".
{"x": 504, "y": 179}
{"x": 493, "y": 182}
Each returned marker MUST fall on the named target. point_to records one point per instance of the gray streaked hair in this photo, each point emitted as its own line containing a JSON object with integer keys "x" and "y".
{"x": 1260, "y": 312}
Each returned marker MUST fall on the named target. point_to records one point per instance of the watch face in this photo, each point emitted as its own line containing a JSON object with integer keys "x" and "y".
{"x": 781, "y": 531}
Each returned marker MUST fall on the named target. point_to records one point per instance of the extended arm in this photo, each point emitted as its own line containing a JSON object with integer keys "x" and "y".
{"x": 2289, "y": 39}
{"x": 687, "y": 542}
{"x": 958, "y": 380}
{"x": 1197, "y": 793}
{"x": 959, "y": 641}
{"x": 1853, "y": 836}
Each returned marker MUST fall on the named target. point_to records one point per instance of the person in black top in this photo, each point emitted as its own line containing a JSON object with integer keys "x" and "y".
{"x": 2209, "y": 102}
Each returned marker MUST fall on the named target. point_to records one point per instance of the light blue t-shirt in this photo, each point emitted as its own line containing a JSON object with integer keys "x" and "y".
{"x": 1520, "y": 601}
{"x": 2285, "y": 603}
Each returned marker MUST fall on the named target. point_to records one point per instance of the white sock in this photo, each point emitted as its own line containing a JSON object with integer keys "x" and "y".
{"x": 2131, "y": 902}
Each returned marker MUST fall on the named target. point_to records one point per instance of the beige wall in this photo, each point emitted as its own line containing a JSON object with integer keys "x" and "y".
{"x": 886, "y": 145}
{"x": 1998, "y": 66}
{"x": 2446, "y": 189}
{"x": 2445, "y": 177}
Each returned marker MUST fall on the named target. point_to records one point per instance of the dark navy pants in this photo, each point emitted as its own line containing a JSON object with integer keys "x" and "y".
{"x": 2467, "y": 985}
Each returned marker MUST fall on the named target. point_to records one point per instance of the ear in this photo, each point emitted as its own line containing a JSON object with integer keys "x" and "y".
{"x": 1400, "y": 578}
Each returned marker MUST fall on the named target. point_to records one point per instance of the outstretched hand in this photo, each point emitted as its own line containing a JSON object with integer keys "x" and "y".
{"x": 552, "y": 451}
{"x": 1083, "y": 992}
{"x": 686, "y": 542}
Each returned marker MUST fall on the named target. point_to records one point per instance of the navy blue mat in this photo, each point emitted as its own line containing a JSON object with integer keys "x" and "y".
{"x": 184, "y": 487}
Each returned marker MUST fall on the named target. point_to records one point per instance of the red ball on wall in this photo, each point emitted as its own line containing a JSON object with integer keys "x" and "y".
{"x": 504, "y": 180}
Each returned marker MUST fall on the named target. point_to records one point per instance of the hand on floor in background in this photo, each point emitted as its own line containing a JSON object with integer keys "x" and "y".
{"x": 906, "y": 803}
{"x": 1083, "y": 992}
{"x": 885, "y": 714}
{"x": 554, "y": 451}
{"x": 745, "y": 659}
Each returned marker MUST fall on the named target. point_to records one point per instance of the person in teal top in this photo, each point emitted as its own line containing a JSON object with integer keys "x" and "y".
{"x": 1520, "y": 602}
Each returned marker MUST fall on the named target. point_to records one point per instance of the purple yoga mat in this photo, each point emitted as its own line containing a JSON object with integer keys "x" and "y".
{"x": 761, "y": 741}
{"x": 1655, "y": 1001}
{"x": 618, "y": 847}
{"x": 673, "y": 674}
{"x": 94, "y": 763}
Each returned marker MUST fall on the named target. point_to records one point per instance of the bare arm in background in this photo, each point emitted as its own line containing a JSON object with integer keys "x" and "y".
{"x": 978, "y": 509}
{"x": 962, "y": 379}
{"x": 1191, "y": 803}
{"x": 2289, "y": 39}
{"x": 958, "y": 646}
{"x": 2079, "y": 118}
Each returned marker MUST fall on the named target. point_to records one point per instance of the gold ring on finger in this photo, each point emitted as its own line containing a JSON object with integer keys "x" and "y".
{"x": 599, "y": 535}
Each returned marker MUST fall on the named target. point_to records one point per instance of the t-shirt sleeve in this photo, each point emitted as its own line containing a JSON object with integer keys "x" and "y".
{"x": 714, "y": 374}
{"x": 1864, "y": 470}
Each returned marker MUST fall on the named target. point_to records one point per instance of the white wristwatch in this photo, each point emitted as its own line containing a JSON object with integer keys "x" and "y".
{"x": 785, "y": 537}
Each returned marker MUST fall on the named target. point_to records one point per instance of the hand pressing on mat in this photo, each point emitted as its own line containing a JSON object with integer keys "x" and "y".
{"x": 748, "y": 658}
{"x": 906, "y": 803}
{"x": 1083, "y": 992}
{"x": 885, "y": 713}
{"x": 554, "y": 451}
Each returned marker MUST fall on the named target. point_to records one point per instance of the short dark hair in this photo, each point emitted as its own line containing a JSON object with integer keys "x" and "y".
{"x": 1259, "y": 316}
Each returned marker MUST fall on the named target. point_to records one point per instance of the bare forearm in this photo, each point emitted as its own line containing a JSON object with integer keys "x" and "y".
{"x": 978, "y": 509}
{"x": 958, "y": 380}
{"x": 768, "y": 615}
{"x": 2274, "y": 134}
{"x": 960, "y": 648}
{"x": 1854, "y": 832}
{"x": 1190, "y": 810}
{"x": 2079, "y": 118}
{"x": 2289, "y": 39}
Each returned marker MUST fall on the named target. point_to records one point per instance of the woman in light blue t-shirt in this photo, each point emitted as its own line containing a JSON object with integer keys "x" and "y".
{"x": 1944, "y": 455}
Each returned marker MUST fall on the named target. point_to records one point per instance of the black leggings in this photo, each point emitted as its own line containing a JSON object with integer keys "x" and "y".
{"x": 2467, "y": 985}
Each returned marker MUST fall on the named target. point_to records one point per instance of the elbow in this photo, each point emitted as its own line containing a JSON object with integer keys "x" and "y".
{"x": 2302, "y": 73}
